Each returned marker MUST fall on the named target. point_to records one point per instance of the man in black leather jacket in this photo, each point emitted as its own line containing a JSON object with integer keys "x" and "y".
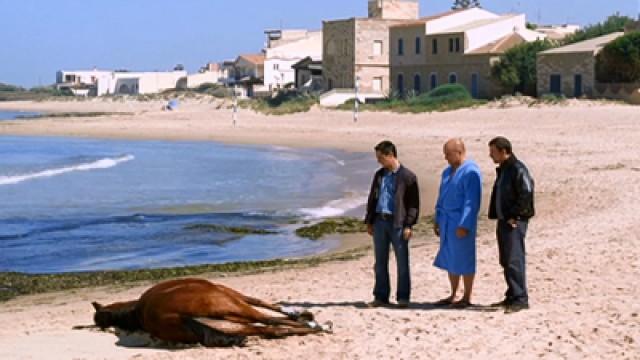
{"x": 512, "y": 205}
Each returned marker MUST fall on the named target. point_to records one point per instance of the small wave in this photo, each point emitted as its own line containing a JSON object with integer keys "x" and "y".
{"x": 99, "y": 164}
{"x": 335, "y": 207}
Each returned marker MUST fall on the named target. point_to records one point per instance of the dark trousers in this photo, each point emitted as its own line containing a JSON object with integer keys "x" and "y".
{"x": 384, "y": 234}
{"x": 512, "y": 258}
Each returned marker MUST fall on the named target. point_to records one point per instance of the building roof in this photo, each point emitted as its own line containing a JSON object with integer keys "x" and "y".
{"x": 257, "y": 59}
{"x": 501, "y": 45}
{"x": 475, "y": 24}
{"x": 426, "y": 19}
{"x": 587, "y": 46}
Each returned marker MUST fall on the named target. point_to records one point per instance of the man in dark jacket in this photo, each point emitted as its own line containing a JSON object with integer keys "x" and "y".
{"x": 512, "y": 205}
{"x": 392, "y": 210}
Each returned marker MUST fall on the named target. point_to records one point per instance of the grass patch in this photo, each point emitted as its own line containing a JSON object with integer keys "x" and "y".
{"x": 285, "y": 102}
{"x": 443, "y": 98}
{"x": 14, "y": 284}
{"x": 350, "y": 225}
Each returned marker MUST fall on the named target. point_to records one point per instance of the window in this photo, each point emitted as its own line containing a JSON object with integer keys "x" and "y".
{"x": 418, "y": 45}
{"x": 450, "y": 45}
{"x": 377, "y": 84}
{"x": 400, "y": 84}
{"x": 416, "y": 83}
{"x": 377, "y": 47}
{"x": 434, "y": 46}
{"x": 453, "y": 78}
{"x": 434, "y": 81}
{"x": 400, "y": 46}
{"x": 457, "y": 44}
{"x": 276, "y": 66}
{"x": 475, "y": 85}
{"x": 556, "y": 84}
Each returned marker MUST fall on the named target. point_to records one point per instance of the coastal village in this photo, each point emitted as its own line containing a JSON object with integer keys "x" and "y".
{"x": 394, "y": 52}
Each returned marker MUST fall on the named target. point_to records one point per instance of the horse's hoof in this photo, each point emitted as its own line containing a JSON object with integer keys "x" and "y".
{"x": 327, "y": 327}
{"x": 305, "y": 316}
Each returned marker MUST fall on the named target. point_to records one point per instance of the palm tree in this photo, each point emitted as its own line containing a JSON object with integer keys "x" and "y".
{"x": 465, "y": 4}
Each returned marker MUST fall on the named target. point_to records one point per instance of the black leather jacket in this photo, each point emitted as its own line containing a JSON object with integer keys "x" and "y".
{"x": 406, "y": 202}
{"x": 516, "y": 191}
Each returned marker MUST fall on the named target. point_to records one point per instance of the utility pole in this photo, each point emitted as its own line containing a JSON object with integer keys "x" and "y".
{"x": 234, "y": 114}
{"x": 356, "y": 102}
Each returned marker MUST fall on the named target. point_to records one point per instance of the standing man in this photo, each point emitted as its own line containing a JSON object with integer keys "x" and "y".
{"x": 512, "y": 205}
{"x": 392, "y": 210}
{"x": 456, "y": 221}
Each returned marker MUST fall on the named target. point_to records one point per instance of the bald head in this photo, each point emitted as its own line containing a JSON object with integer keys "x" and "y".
{"x": 454, "y": 152}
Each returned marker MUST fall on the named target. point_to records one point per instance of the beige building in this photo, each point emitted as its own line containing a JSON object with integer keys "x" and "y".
{"x": 454, "y": 47}
{"x": 571, "y": 70}
{"x": 359, "y": 47}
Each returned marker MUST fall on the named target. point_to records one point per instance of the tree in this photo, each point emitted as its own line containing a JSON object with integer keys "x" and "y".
{"x": 613, "y": 23}
{"x": 465, "y": 4}
{"x": 516, "y": 69}
{"x": 619, "y": 61}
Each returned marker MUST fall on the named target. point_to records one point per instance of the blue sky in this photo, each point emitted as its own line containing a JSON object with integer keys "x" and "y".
{"x": 40, "y": 37}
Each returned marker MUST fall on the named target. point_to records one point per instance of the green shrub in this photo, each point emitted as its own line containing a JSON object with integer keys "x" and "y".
{"x": 516, "y": 70}
{"x": 285, "y": 102}
{"x": 613, "y": 23}
{"x": 619, "y": 61}
{"x": 443, "y": 98}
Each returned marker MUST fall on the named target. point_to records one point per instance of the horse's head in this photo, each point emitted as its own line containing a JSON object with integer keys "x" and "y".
{"x": 121, "y": 315}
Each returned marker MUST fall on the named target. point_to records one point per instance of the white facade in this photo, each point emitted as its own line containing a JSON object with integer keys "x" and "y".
{"x": 112, "y": 82}
{"x": 280, "y": 58}
{"x": 207, "y": 77}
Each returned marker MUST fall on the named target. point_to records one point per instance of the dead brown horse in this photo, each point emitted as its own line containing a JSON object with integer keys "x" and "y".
{"x": 199, "y": 311}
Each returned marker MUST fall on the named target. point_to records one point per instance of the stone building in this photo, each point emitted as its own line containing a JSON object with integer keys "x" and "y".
{"x": 359, "y": 47}
{"x": 571, "y": 70}
{"x": 454, "y": 47}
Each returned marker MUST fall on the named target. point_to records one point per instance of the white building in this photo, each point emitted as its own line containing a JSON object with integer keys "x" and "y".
{"x": 284, "y": 49}
{"x": 100, "y": 82}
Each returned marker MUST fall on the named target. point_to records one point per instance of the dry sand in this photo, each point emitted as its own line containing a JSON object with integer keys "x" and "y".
{"x": 583, "y": 246}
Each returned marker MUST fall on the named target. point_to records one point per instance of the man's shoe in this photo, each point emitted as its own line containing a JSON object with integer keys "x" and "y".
{"x": 377, "y": 303}
{"x": 503, "y": 303}
{"x": 514, "y": 308}
{"x": 403, "y": 304}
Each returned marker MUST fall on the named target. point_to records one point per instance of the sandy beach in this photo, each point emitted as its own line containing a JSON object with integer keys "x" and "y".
{"x": 583, "y": 246}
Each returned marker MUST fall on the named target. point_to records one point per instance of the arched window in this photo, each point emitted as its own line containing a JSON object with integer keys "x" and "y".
{"x": 453, "y": 78}
{"x": 416, "y": 83}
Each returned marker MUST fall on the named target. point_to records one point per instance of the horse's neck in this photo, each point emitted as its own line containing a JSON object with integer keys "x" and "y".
{"x": 126, "y": 317}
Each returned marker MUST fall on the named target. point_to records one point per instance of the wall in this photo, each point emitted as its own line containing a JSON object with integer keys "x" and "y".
{"x": 338, "y": 53}
{"x": 567, "y": 65}
{"x": 207, "y": 77}
{"x": 394, "y": 9}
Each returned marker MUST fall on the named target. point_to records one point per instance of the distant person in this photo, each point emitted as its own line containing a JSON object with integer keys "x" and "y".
{"x": 456, "y": 221}
{"x": 512, "y": 205}
{"x": 392, "y": 210}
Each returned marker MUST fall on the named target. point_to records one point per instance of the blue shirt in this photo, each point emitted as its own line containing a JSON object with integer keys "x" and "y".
{"x": 387, "y": 193}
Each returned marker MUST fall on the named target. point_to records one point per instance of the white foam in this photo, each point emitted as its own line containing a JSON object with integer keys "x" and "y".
{"x": 99, "y": 164}
{"x": 335, "y": 207}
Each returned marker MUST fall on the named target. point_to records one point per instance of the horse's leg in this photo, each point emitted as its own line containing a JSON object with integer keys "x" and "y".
{"x": 292, "y": 314}
{"x": 225, "y": 333}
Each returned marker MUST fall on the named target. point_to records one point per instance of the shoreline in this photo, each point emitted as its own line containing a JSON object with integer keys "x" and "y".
{"x": 582, "y": 247}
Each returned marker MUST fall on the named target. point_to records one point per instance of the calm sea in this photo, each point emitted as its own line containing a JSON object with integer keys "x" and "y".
{"x": 79, "y": 205}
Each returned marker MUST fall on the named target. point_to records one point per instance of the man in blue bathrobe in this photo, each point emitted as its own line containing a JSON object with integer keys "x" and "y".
{"x": 456, "y": 221}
